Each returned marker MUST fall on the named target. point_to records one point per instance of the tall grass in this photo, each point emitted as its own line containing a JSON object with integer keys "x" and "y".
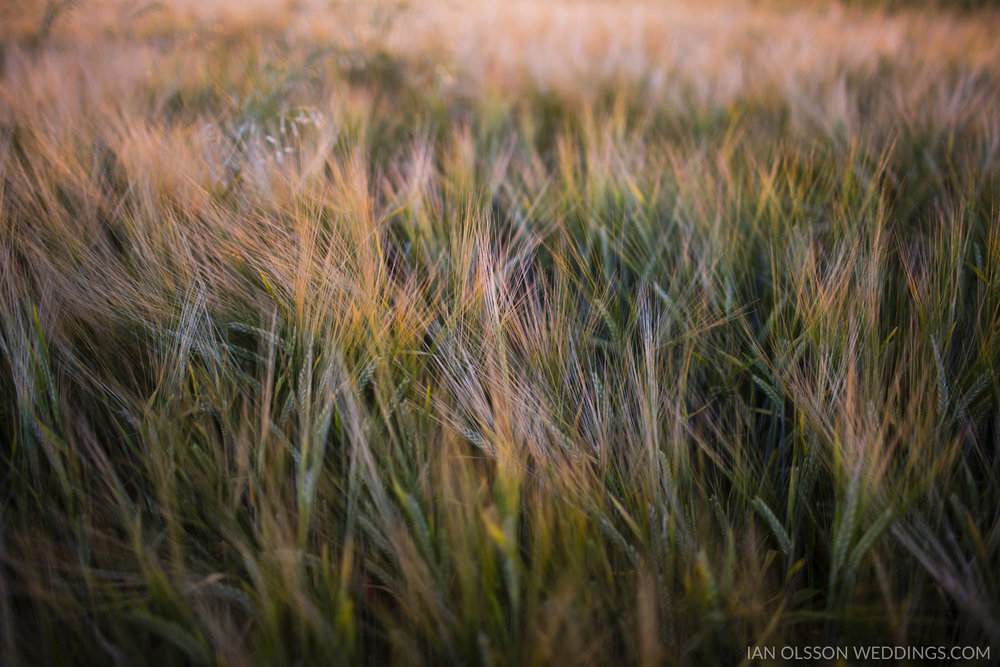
{"x": 532, "y": 335}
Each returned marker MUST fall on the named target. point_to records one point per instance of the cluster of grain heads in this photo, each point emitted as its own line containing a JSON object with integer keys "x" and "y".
{"x": 301, "y": 366}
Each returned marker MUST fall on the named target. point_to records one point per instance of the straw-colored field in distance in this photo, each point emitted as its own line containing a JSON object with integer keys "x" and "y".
{"x": 497, "y": 333}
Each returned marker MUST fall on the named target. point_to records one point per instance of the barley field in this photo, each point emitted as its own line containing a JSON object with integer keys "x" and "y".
{"x": 497, "y": 333}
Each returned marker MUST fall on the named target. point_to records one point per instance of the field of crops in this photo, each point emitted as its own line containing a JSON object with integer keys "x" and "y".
{"x": 497, "y": 333}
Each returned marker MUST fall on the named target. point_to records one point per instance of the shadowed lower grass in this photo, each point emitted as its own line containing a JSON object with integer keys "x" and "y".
{"x": 339, "y": 352}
